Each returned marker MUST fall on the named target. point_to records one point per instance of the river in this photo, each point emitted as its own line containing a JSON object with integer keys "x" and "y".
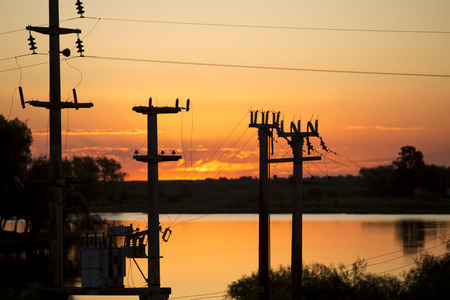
{"x": 205, "y": 253}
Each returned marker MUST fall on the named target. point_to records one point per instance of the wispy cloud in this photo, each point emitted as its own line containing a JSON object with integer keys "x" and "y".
{"x": 356, "y": 127}
{"x": 384, "y": 128}
{"x": 398, "y": 128}
{"x": 78, "y": 132}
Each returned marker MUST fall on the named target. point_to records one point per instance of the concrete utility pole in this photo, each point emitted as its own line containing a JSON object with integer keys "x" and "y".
{"x": 55, "y": 106}
{"x": 295, "y": 139}
{"x": 152, "y": 159}
{"x": 296, "y": 142}
{"x": 264, "y": 132}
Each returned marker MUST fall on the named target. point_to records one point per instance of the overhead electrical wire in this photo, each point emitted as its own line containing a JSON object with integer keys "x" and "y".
{"x": 200, "y": 295}
{"x": 394, "y": 252}
{"x": 218, "y": 148}
{"x": 268, "y": 67}
{"x": 46, "y": 24}
{"x": 217, "y": 175}
{"x": 374, "y": 30}
{"x": 274, "y": 68}
{"x": 271, "y": 26}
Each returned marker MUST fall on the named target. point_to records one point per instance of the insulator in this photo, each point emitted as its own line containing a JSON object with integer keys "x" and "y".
{"x": 75, "y": 99}
{"x": 32, "y": 44}
{"x": 177, "y": 103}
{"x": 256, "y": 117}
{"x": 166, "y": 234}
{"x": 150, "y": 102}
{"x": 162, "y": 152}
{"x": 267, "y": 117}
{"x": 80, "y": 7}
{"x": 293, "y": 128}
{"x": 22, "y": 100}
{"x": 251, "y": 117}
{"x": 80, "y": 46}
{"x": 173, "y": 152}
{"x": 188, "y": 103}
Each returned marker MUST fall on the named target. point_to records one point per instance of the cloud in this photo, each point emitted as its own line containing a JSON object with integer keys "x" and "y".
{"x": 85, "y": 132}
{"x": 398, "y": 128}
{"x": 356, "y": 127}
{"x": 384, "y": 128}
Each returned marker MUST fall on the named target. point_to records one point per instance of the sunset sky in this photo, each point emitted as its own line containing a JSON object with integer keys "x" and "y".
{"x": 368, "y": 70}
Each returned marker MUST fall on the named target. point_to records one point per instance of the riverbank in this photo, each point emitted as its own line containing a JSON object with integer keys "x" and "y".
{"x": 234, "y": 196}
{"x": 325, "y": 206}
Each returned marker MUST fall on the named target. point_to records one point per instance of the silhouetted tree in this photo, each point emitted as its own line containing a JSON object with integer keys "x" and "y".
{"x": 15, "y": 142}
{"x": 408, "y": 167}
{"x": 110, "y": 169}
{"x": 401, "y": 178}
{"x": 379, "y": 179}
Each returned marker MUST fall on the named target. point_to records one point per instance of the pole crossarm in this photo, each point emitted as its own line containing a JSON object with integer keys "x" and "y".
{"x": 59, "y": 105}
{"x": 283, "y": 134}
{"x": 157, "y": 158}
{"x": 153, "y": 110}
{"x": 47, "y": 30}
{"x": 284, "y": 160}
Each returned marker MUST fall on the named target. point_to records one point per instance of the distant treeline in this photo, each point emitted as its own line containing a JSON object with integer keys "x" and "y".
{"x": 97, "y": 184}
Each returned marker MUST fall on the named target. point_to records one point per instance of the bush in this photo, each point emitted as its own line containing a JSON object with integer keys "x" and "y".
{"x": 428, "y": 279}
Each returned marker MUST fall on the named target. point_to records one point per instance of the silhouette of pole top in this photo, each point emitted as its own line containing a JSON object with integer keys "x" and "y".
{"x": 154, "y": 110}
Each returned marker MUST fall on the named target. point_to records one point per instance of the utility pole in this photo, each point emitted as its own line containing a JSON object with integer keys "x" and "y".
{"x": 152, "y": 159}
{"x": 54, "y": 106}
{"x": 264, "y": 132}
{"x": 296, "y": 139}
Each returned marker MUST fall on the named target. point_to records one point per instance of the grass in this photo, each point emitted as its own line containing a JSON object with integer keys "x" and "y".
{"x": 241, "y": 196}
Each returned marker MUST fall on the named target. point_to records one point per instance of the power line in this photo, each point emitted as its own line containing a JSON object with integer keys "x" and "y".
{"x": 268, "y": 67}
{"x": 272, "y": 27}
{"x": 200, "y": 295}
{"x": 247, "y": 67}
{"x": 23, "y": 29}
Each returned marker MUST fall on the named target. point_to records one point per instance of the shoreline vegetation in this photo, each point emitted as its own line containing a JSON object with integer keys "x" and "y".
{"x": 342, "y": 194}
{"x": 427, "y": 279}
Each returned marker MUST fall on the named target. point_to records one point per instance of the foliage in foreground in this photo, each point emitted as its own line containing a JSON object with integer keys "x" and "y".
{"x": 427, "y": 279}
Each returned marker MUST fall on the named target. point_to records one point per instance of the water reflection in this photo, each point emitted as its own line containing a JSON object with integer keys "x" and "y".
{"x": 204, "y": 255}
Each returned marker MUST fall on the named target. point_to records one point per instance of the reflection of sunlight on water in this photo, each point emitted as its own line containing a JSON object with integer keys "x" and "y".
{"x": 204, "y": 255}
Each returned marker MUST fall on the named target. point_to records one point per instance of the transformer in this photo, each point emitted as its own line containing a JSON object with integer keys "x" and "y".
{"x": 102, "y": 262}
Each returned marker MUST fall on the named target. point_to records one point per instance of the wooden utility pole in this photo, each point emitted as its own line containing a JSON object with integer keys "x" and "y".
{"x": 54, "y": 106}
{"x": 152, "y": 159}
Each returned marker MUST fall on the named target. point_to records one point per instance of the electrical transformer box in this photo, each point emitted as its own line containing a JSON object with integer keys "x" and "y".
{"x": 102, "y": 267}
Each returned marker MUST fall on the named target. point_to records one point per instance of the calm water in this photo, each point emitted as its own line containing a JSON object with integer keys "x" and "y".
{"x": 206, "y": 253}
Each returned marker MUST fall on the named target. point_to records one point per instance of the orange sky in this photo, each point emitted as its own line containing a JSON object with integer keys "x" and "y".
{"x": 363, "y": 117}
